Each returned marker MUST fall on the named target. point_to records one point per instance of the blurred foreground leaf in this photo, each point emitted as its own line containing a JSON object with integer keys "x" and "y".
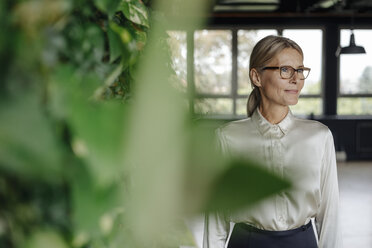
{"x": 28, "y": 144}
{"x": 91, "y": 203}
{"x": 107, "y": 6}
{"x": 202, "y": 165}
{"x": 97, "y": 127}
{"x": 173, "y": 163}
{"x": 156, "y": 145}
{"x": 243, "y": 184}
{"x": 46, "y": 239}
{"x": 217, "y": 182}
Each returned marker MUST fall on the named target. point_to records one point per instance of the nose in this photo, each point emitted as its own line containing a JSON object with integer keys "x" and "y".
{"x": 294, "y": 78}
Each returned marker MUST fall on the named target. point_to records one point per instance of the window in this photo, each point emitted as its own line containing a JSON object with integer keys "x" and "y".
{"x": 221, "y": 68}
{"x": 355, "y": 91}
{"x": 310, "y": 40}
{"x": 246, "y": 41}
{"x": 213, "y": 71}
{"x": 178, "y": 48}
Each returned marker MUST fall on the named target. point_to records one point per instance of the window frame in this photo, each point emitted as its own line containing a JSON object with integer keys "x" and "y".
{"x": 349, "y": 95}
{"x": 234, "y": 96}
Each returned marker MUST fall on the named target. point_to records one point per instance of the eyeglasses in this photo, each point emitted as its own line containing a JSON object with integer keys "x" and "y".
{"x": 287, "y": 71}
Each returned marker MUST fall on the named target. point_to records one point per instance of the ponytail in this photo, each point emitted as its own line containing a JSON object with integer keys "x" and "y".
{"x": 254, "y": 101}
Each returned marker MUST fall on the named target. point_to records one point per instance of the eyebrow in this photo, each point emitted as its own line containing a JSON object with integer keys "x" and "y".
{"x": 292, "y": 66}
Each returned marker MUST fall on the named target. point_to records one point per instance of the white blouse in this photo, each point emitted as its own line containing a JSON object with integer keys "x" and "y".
{"x": 301, "y": 151}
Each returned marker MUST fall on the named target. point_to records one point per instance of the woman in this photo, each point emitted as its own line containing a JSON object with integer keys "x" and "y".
{"x": 299, "y": 150}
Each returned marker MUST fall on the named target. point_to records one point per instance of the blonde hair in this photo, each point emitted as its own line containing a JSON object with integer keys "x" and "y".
{"x": 265, "y": 50}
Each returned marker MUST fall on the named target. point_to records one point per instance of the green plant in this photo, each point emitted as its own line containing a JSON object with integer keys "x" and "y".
{"x": 96, "y": 148}
{"x": 59, "y": 143}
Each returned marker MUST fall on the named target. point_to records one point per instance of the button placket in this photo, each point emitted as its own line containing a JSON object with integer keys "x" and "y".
{"x": 279, "y": 169}
{"x": 278, "y": 157}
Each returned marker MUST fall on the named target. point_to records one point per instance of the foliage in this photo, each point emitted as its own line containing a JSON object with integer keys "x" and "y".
{"x": 60, "y": 146}
{"x": 88, "y": 158}
{"x": 354, "y": 106}
{"x": 365, "y": 80}
{"x": 213, "y": 61}
{"x": 307, "y": 106}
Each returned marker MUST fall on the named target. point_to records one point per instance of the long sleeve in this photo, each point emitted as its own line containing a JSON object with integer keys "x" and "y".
{"x": 327, "y": 219}
{"x": 216, "y": 230}
{"x": 216, "y": 226}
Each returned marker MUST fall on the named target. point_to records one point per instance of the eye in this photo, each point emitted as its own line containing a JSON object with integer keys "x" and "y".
{"x": 285, "y": 69}
{"x": 300, "y": 70}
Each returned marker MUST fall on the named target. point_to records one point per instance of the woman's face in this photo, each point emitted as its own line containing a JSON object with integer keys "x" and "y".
{"x": 276, "y": 90}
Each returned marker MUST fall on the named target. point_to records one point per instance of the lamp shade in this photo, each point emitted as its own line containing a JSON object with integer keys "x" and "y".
{"x": 352, "y": 48}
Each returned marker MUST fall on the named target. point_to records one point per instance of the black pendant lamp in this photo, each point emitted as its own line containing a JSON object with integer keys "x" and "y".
{"x": 352, "y": 48}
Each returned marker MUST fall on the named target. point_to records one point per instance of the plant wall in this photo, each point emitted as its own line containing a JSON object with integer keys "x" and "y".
{"x": 66, "y": 73}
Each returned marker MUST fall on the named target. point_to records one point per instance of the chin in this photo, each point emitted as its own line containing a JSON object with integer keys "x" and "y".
{"x": 293, "y": 102}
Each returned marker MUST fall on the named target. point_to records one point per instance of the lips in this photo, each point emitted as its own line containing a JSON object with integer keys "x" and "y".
{"x": 292, "y": 91}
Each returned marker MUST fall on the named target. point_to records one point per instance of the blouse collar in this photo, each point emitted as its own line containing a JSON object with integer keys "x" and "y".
{"x": 272, "y": 130}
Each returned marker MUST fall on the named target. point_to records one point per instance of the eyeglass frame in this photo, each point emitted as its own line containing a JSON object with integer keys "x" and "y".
{"x": 280, "y": 71}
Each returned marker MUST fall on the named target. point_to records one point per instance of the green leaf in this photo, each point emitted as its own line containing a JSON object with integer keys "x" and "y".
{"x": 107, "y": 6}
{"x": 114, "y": 45}
{"x": 128, "y": 38}
{"x": 179, "y": 236}
{"x": 28, "y": 145}
{"x": 90, "y": 203}
{"x": 156, "y": 152}
{"x": 125, "y": 41}
{"x": 110, "y": 79}
{"x": 242, "y": 184}
{"x": 45, "y": 239}
{"x": 135, "y": 11}
{"x": 97, "y": 127}
{"x": 100, "y": 130}
{"x": 123, "y": 33}
{"x": 93, "y": 43}
{"x": 141, "y": 37}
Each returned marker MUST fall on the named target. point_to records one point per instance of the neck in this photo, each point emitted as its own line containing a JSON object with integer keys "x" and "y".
{"x": 274, "y": 114}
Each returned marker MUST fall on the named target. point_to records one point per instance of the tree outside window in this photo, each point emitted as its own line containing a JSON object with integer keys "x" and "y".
{"x": 355, "y": 95}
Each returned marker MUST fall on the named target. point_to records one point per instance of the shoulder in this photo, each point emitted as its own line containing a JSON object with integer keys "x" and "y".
{"x": 311, "y": 125}
{"x": 235, "y": 127}
{"x": 313, "y": 129}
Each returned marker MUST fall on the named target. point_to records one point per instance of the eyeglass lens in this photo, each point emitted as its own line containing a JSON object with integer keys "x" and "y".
{"x": 287, "y": 72}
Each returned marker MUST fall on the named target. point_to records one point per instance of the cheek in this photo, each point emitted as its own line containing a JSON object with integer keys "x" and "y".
{"x": 270, "y": 84}
{"x": 282, "y": 85}
{"x": 301, "y": 85}
{"x": 270, "y": 88}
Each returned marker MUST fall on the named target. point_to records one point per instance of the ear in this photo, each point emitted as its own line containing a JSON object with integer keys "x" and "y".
{"x": 255, "y": 77}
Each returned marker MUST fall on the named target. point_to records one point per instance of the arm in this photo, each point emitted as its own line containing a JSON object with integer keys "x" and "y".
{"x": 216, "y": 230}
{"x": 327, "y": 219}
{"x": 216, "y": 227}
